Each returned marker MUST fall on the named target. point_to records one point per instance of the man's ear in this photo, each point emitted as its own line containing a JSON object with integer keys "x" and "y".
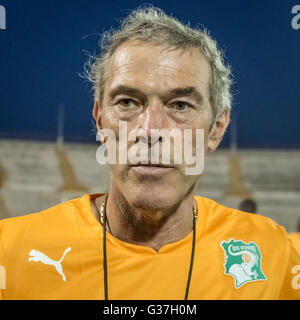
{"x": 218, "y": 130}
{"x": 97, "y": 114}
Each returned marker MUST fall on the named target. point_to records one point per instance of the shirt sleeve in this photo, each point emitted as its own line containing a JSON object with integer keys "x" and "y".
{"x": 290, "y": 289}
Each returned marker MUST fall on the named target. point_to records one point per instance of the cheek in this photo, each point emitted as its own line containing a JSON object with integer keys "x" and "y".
{"x": 201, "y": 137}
{"x": 109, "y": 119}
{"x": 207, "y": 125}
{"x": 204, "y": 122}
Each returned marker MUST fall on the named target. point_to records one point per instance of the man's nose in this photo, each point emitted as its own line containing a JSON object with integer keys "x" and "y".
{"x": 153, "y": 117}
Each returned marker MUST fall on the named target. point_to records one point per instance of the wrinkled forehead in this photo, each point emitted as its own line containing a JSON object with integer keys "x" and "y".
{"x": 144, "y": 62}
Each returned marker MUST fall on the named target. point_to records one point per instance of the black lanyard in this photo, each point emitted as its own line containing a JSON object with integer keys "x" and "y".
{"x": 103, "y": 221}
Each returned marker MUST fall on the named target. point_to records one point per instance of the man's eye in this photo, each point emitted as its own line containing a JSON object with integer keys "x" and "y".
{"x": 126, "y": 103}
{"x": 181, "y": 106}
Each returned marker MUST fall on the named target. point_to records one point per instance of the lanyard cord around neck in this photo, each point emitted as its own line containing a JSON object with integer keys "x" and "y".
{"x": 103, "y": 221}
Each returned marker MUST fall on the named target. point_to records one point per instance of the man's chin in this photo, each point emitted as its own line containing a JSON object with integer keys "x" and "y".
{"x": 144, "y": 189}
{"x": 153, "y": 197}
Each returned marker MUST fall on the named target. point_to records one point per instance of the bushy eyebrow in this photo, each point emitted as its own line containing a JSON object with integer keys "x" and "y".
{"x": 122, "y": 89}
{"x": 191, "y": 92}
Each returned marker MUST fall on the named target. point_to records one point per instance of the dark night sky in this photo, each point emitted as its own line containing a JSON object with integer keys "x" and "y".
{"x": 42, "y": 53}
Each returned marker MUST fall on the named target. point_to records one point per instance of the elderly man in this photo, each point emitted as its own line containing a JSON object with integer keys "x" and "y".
{"x": 150, "y": 237}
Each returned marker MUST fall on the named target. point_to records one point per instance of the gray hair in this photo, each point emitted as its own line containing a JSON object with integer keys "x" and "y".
{"x": 153, "y": 25}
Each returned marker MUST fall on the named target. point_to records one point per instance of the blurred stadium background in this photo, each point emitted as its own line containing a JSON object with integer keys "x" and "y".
{"x": 43, "y": 162}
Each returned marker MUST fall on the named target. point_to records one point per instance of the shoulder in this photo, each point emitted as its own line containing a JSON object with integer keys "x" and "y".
{"x": 13, "y": 231}
{"x": 49, "y": 213}
{"x": 223, "y": 226}
{"x": 240, "y": 223}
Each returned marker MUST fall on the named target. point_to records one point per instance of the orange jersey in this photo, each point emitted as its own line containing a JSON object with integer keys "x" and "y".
{"x": 58, "y": 254}
{"x": 296, "y": 239}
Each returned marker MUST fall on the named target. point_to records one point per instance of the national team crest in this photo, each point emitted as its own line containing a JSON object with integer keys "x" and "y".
{"x": 243, "y": 261}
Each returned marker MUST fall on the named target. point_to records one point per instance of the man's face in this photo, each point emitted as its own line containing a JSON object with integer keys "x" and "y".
{"x": 151, "y": 87}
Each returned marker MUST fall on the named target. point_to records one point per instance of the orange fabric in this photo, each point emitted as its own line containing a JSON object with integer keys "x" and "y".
{"x": 137, "y": 272}
{"x": 296, "y": 239}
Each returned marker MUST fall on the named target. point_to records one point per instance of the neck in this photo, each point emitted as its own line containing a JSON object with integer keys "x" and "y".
{"x": 146, "y": 226}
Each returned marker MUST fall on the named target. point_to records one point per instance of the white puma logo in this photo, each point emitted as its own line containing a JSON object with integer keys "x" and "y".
{"x": 39, "y": 256}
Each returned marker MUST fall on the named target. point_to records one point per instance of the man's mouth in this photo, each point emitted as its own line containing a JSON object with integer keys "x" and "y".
{"x": 151, "y": 168}
{"x": 159, "y": 165}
